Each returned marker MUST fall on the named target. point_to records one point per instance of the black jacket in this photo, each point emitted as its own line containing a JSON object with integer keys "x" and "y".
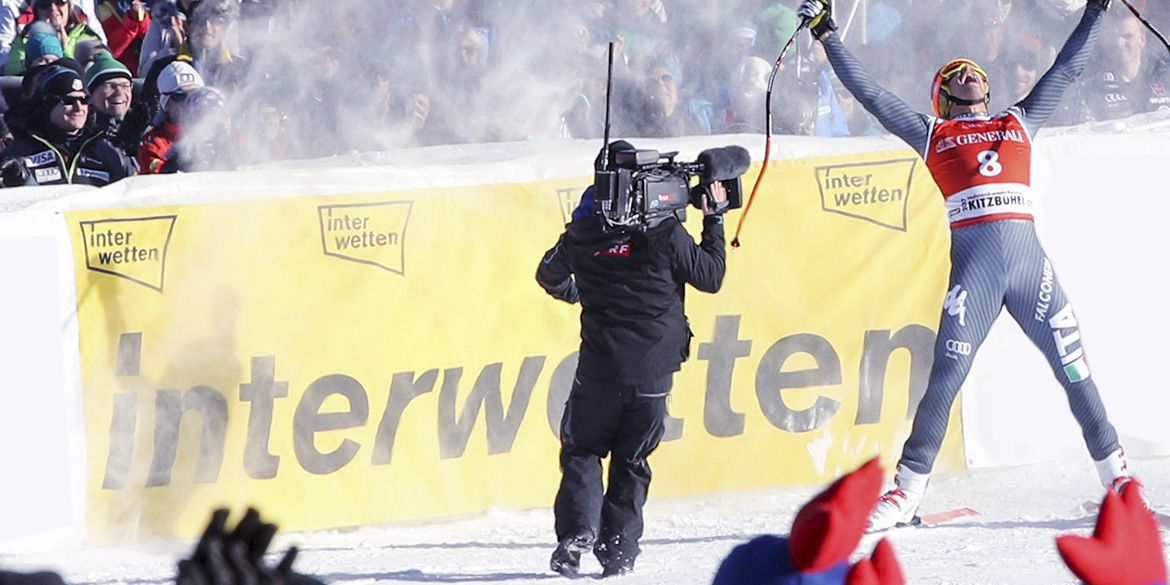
{"x": 630, "y": 285}
{"x": 55, "y": 159}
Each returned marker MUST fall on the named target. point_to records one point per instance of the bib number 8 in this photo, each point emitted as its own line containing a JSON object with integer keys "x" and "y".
{"x": 989, "y": 163}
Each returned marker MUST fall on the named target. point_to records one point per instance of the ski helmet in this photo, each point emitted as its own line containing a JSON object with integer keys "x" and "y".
{"x": 941, "y": 100}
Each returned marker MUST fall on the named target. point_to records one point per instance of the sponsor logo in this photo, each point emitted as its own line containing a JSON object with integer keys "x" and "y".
{"x": 959, "y": 347}
{"x": 131, "y": 248}
{"x": 1044, "y": 296}
{"x": 568, "y": 198}
{"x": 1068, "y": 344}
{"x": 948, "y": 142}
{"x": 877, "y": 192}
{"x": 99, "y": 175}
{"x": 41, "y": 158}
{"x": 368, "y": 233}
{"x": 955, "y": 304}
{"x": 45, "y": 175}
{"x": 1115, "y": 98}
{"x": 621, "y": 250}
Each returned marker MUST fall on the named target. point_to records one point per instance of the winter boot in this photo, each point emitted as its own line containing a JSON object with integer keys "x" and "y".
{"x": 616, "y": 556}
{"x": 899, "y": 506}
{"x": 566, "y": 559}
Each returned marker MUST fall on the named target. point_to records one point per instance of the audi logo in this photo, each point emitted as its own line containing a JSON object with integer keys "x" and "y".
{"x": 959, "y": 347}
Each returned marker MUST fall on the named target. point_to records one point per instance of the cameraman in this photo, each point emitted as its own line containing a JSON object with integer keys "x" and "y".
{"x": 634, "y": 336}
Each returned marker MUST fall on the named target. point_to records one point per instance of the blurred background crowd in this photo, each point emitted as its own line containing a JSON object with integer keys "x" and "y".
{"x": 165, "y": 85}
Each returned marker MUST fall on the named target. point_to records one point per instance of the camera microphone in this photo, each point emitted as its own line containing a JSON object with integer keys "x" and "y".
{"x": 723, "y": 164}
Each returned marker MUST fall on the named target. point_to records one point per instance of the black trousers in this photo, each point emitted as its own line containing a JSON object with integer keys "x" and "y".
{"x": 625, "y": 422}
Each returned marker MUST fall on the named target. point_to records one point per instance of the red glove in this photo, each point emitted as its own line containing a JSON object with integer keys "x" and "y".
{"x": 881, "y": 568}
{"x": 829, "y": 527}
{"x": 1125, "y": 549}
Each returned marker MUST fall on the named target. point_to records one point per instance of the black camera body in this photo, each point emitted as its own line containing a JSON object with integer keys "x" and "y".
{"x": 640, "y": 188}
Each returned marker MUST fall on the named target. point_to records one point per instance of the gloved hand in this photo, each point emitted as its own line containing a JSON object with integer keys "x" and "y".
{"x": 1104, "y": 4}
{"x": 881, "y": 568}
{"x": 237, "y": 558}
{"x": 14, "y": 173}
{"x": 819, "y": 15}
{"x": 1126, "y": 546}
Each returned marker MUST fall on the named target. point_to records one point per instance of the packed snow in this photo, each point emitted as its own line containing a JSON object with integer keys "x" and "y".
{"x": 1012, "y": 540}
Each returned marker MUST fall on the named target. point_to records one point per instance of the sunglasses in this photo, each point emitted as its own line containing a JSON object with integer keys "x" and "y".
{"x": 48, "y": 3}
{"x": 664, "y": 78}
{"x": 178, "y": 96}
{"x": 73, "y": 100}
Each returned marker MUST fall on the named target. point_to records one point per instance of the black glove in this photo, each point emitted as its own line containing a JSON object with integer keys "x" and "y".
{"x": 818, "y": 14}
{"x": 14, "y": 173}
{"x": 1104, "y": 4}
{"x": 237, "y": 558}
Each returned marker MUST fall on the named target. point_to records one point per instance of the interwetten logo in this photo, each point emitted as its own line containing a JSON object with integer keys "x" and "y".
{"x": 130, "y": 248}
{"x": 877, "y": 192}
{"x": 370, "y": 233}
{"x": 568, "y": 198}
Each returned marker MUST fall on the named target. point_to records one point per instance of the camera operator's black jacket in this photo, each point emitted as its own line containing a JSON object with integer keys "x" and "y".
{"x": 630, "y": 285}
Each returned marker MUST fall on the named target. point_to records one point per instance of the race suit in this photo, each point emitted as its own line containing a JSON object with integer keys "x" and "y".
{"x": 982, "y": 165}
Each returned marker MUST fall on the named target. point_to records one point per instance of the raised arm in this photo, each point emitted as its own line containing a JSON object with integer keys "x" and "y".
{"x": 893, "y": 113}
{"x": 1041, "y": 102}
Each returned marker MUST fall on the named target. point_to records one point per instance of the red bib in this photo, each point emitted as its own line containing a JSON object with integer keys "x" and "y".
{"x": 983, "y": 166}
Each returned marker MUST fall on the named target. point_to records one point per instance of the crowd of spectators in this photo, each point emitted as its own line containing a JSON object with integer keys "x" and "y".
{"x": 312, "y": 78}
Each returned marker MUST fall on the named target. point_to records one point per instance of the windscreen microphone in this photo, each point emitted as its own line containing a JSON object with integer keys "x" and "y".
{"x": 723, "y": 164}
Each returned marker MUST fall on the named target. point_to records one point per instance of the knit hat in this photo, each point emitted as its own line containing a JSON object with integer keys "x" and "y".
{"x": 41, "y": 44}
{"x": 777, "y": 23}
{"x": 58, "y": 82}
{"x": 104, "y": 67}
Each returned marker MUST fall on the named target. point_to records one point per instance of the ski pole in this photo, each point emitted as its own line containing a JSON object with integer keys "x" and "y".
{"x": 767, "y": 131}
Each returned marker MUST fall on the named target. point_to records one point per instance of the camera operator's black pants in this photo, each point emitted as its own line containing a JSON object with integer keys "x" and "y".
{"x": 625, "y": 422}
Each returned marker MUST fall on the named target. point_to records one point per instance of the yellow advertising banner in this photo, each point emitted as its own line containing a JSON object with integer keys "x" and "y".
{"x": 379, "y": 356}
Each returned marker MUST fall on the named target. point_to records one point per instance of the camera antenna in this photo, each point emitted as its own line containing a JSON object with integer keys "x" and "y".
{"x": 767, "y": 130}
{"x": 608, "y": 92}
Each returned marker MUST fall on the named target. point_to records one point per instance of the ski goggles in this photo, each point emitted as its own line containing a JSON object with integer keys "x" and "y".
{"x": 950, "y": 70}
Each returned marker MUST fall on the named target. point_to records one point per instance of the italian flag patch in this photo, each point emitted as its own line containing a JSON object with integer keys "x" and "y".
{"x": 1077, "y": 371}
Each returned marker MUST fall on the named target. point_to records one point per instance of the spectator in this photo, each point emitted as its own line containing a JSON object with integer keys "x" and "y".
{"x": 207, "y": 140}
{"x": 666, "y": 112}
{"x": 166, "y": 32}
{"x": 207, "y": 36}
{"x": 10, "y": 11}
{"x": 59, "y": 147}
{"x": 42, "y": 48}
{"x": 1127, "y": 79}
{"x": 126, "y": 24}
{"x": 1023, "y": 62}
{"x": 111, "y": 90}
{"x": 66, "y": 21}
{"x": 176, "y": 81}
{"x": 745, "y": 111}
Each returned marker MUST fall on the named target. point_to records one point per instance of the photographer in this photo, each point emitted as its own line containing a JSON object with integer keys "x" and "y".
{"x": 634, "y": 336}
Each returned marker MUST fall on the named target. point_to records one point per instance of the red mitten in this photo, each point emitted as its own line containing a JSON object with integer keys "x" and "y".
{"x": 881, "y": 568}
{"x": 1125, "y": 549}
{"x": 827, "y": 529}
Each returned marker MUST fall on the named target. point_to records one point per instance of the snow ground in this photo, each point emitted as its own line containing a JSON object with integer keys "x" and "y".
{"x": 1022, "y": 510}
